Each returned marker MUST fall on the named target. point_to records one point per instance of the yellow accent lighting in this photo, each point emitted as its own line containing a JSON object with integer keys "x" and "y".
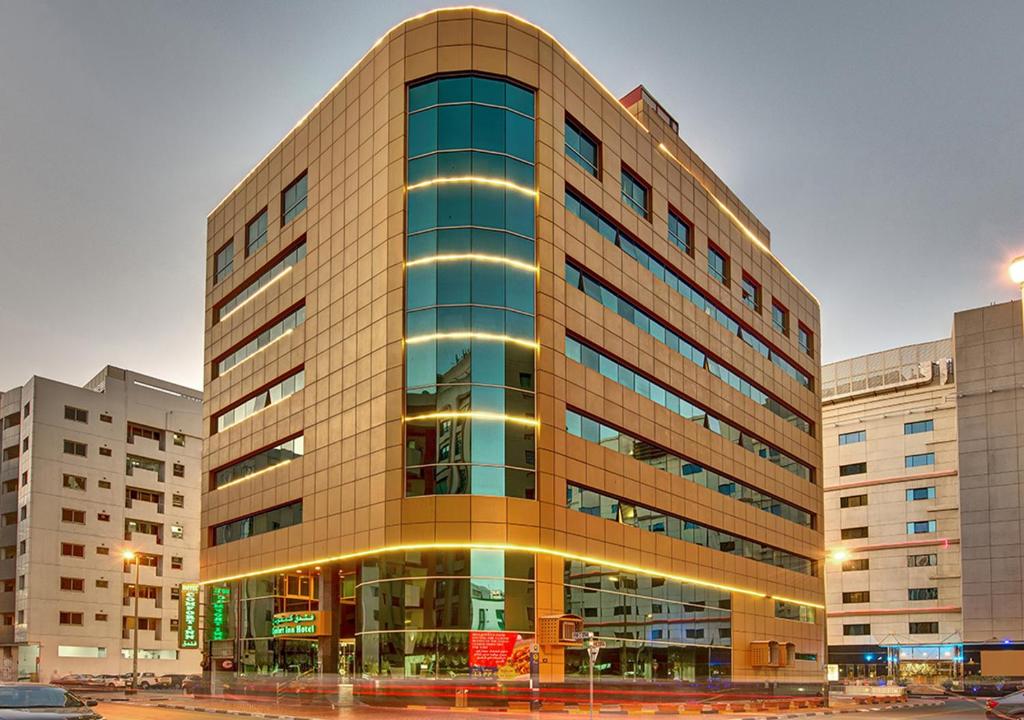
{"x": 839, "y": 555}
{"x": 282, "y": 336}
{"x": 474, "y": 257}
{"x": 534, "y": 550}
{"x": 475, "y": 180}
{"x": 252, "y": 475}
{"x": 128, "y": 555}
{"x": 475, "y": 415}
{"x": 256, "y": 294}
{"x": 472, "y": 336}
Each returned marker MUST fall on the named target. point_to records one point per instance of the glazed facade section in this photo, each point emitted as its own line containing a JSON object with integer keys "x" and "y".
{"x": 470, "y": 289}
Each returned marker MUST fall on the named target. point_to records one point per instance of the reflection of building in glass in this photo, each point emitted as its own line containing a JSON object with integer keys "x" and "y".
{"x": 521, "y": 378}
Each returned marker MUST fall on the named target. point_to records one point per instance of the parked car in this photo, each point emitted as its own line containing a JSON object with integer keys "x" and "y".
{"x": 34, "y": 701}
{"x": 1011, "y": 705}
{"x": 170, "y": 680}
{"x": 145, "y": 682}
{"x": 195, "y": 685}
{"x": 109, "y": 681}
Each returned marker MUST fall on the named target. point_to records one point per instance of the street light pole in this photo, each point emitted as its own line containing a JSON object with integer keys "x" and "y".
{"x": 130, "y": 556}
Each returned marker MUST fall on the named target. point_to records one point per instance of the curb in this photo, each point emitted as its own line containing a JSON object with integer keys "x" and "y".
{"x": 236, "y": 713}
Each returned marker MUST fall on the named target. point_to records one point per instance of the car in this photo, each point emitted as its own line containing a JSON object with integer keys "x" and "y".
{"x": 195, "y": 685}
{"x": 170, "y": 680}
{"x": 146, "y": 680}
{"x": 1008, "y": 706}
{"x": 37, "y": 701}
{"x": 109, "y": 681}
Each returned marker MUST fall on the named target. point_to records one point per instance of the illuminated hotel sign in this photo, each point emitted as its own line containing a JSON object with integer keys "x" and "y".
{"x": 299, "y": 624}
{"x": 188, "y": 614}
{"x": 220, "y": 603}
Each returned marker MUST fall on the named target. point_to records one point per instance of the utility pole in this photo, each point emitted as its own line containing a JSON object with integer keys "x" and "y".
{"x": 130, "y": 555}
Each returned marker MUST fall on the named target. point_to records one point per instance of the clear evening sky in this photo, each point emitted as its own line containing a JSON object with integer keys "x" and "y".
{"x": 882, "y": 143}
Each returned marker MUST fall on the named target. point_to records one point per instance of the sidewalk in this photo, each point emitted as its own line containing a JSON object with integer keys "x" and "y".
{"x": 272, "y": 711}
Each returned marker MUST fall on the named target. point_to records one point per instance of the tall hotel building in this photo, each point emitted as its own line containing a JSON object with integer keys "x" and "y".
{"x": 88, "y": 473}
{"x": 486, "y": 346}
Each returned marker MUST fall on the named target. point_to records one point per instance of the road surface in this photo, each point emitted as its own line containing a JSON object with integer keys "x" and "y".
{"x": 952, "y": 710}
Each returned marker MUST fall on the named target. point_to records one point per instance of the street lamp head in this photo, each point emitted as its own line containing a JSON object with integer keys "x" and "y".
{"x": 128, "y": 555}
{"x": 1017, "y": 270}
{"x": 840, "y": 555}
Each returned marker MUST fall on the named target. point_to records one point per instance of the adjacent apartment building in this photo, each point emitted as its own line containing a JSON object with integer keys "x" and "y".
{"x": 488, "y": 347}
{"x": 923, "y": 495}
{"x": 88, "y": 473}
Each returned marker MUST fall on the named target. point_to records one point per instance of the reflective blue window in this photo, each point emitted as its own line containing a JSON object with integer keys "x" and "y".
{"x": 919, "y": 460}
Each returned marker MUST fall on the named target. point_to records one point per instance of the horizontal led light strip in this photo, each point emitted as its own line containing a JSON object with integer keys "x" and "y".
{"x": 473, "y": 179}
{"x": 530, "y": 549}
{"x": 473, "y": 257}
{"x": 250, "y": 476}
{"x": 475, "y": 415}
{"x": 472, "y": 335}
{"x": 255, "y": 294}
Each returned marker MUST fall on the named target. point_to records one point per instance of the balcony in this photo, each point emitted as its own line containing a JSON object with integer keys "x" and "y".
{"x": 144, "y": 542}
{"x": 142, "y": 476}
{"x": 138, "y": 445}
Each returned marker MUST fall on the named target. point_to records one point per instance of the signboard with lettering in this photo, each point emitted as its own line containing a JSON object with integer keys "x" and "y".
{"x": 506, "y": 654}
{"x": 188, "y": 616}
{"x": 309, "y": 623}
{"x": 220, "y": 612}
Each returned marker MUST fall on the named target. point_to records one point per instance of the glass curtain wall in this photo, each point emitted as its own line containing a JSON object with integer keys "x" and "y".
{"x": 444, "y": 614}
{"x": 470, "y": 288}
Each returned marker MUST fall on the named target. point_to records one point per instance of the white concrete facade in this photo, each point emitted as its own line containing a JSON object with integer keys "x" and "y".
{"x": 88, "y": 472}
{"x": 892, "y": 525}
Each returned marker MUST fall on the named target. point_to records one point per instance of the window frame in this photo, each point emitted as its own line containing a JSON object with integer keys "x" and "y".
{"x": 220, "y": 274}
{"x": 584, "y": 133}
{"x": 285, "y": 220}
{"x": 909, "y": 427}
{"x": 713, "y": 249}
{"x": 802, "y": 331}
{"x": 844, "y": 472}
{"x": 862, "y": 436}
{"x": 249, "y": 248}
{"x": 758, "y": 304}
{"x": 681, "y": 219}
{"x": 786, "y": 321}
{"x": 628, "y": 200}
{"x": 846, "y": 501}
{"x": 910, "y": 461}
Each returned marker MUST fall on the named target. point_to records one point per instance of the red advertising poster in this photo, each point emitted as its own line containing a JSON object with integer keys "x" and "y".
{"x": 492, "y": 651}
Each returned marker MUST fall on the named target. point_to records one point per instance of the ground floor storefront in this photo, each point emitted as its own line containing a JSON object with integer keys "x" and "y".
{"x": 446, "y": 624}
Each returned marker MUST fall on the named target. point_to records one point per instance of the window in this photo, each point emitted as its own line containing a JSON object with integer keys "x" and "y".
{"x": 24, "y": 445}
{"x": 257, "y": 524}
{"x": 74, "y": 482}
{"x": 177, "y": 500}
{"x": 679, "y": 232}
{"x": 101, "y": 550}
{"x": 261, "y": 400}
{"x": 76, "y": 414}
{"x": 142, "y": 527}
{"x": 582, "y": 147}
{"x": 21, "y": 582}
{"x": 103, "y": 517}
{"x": 69, "y": 515}
{"x": 805, "y": 339}
{"x": 920, "y": 527}
{"x": 11, "y": 485}
{"x": 269, "y": 334}
{"x": 293, "y": 200}
{"x": 176, "y": 592}
{"x": 101, "y": 583}
{"x": 74, "y": 448}
{"x": 106, "y": 418}
{"x": 751, "y": 293}
{"x": 70, "y": 618}
{"x": 925, "y": 493}
{"x": 918, "y": 426}
{"x": 928, "y": 593}
{"x": 100, "y": 617}
{"x": 105, "y": 452}
{"x": 11, "y": 453}
{"x": 9, "y": 552}
{"x": 12, "y": 420}
{"x": 858, "y": 596}
{"x": 22, "y": 547}
{"x": 851, "y": 501}
{"x": 223, "y": 261}
{"x": 24, "y": 478}
{"x": 177, "y": 562}
{"x": 9, "y": 585}
{"x": 853, "y": 469}
{"x": 924, "y": 628}
{"x": 72, "y": 584}
{"x": 853, "y": 533}
{"x": 104, "y": 484}
{"x": 145, "y": 432}
{"x": 10, "y": 518}
{"x": 919, "y": 460}
{"x": 72, "y": 550}
{"x": 179, "y": 439}
{"x": 792, "y": 611}
{"x": 178, "y": 470}
{"x": 635, "y": 194}
{"x": 855, "y": 564}
{"x": 858, "y": 436}
{"x": 282, "y": 453}
{"x": 718, "y": 265}
{"x": 24, "y": 512}
{"x": 256, "y": 233}
{"x": 925, "y": 560}
{"x": 27, "y": 410}
{"x": 780, "y": 317}
{"x": 857, "y": 629}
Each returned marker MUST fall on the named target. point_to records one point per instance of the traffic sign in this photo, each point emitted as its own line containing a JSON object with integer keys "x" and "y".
{"x": 582, "y": 635}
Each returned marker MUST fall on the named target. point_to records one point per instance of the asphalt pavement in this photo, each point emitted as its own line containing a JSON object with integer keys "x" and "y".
{"x": 952, "y": 709}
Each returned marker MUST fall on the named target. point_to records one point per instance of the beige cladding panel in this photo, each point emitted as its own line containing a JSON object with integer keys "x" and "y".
{"x": 351, "y": 476}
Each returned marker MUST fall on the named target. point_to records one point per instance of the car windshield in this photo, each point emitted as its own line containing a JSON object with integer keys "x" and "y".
{"x": 36, "y": 697}
{"x": 1013, "y": 698}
